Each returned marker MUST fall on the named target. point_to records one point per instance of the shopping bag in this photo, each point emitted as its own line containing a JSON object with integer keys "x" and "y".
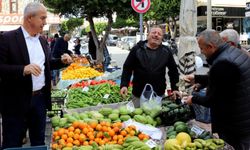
{"x": 150, "y": 102}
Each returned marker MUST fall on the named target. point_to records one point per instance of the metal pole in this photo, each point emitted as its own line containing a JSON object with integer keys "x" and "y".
{"x": 141, "y": 26}
{"x": 209, "y": 14}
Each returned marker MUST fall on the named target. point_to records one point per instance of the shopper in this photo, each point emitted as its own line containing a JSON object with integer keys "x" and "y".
{"x": 77, "y": 46}
{"x": 61, "y": 46}
{"x": 25, "y": 79}
{"x": 147, "y": 62}
{"x": 228, "y": 90}
{"x": 91, "y": 46}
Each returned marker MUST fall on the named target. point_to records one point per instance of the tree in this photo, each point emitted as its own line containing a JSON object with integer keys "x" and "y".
{"x": 90, "y": 9}
{"x": 99, "y": 27}
{"x": 72, "y": 23}
{"x": 121, "y": 22}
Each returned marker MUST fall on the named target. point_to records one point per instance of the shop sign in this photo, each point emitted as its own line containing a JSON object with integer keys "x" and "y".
{"x": 17, "y": 19}
{"x": 247, "y": 13}
{"x": 218, "y": 11}
{"x": 11, "y": 19}
{"x": 222, "y": 11}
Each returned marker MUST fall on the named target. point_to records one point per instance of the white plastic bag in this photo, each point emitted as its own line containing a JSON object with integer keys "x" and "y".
{"x": 150, "y": 102}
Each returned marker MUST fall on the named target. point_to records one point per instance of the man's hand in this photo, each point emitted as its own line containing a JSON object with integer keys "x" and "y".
{"x": 187, "y": 100}
{"x": 66, "y": 59}
{"x": 124, "y": 91}
{"x": 189, "y": 78}
{"x": 32, "y": 69}
{"x": 175, "y": 95}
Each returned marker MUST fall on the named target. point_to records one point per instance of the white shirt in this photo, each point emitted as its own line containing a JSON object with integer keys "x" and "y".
{"x": 36, "y": 56}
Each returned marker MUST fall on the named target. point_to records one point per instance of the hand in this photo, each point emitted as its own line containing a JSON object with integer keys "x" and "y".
{"x": 188, "y": 100}
{"x": 32, "y": 69}
{"x": 66, "y": 59}
{"x": 175, "y": 95}
{"x": 124, "y": 91}
{"x": 189, "y": 78}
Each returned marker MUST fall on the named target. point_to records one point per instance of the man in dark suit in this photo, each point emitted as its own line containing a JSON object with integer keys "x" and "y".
{"x": 25, "y": 79}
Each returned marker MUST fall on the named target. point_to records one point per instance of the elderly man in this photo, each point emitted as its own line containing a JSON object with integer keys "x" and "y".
{"x": 61, "y": 46}
{"x": 147, "y": 62}
{"x": 231, "y": 37}
{"x": 228, "y": 89}
{"x": 25, "y": 79}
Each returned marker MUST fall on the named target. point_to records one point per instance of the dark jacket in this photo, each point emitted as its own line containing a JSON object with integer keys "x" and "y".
{"x": 144, "y": 71}
{"x": 228, "y": 91}
{"x": 15, "y": 88}
{"x": 60, "y": 47}
{"x": 77, "y": 49}
{"x": 92, "y": 48}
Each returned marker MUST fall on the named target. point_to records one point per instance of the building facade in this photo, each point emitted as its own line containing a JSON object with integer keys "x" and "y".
{"x": 11, "y": 16}
{"x": 225, "y": 14}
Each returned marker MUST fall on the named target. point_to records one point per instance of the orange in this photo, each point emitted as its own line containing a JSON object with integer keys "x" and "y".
{"x": 69, "y": 145}
{"x": 71, "y": 134}
{"x": 76, "y": 136}
{"x": 101, "y": 142}
{"x": 77, "y": 131}
{"x": 82, "y": 137}
{"x": 70, "y": 140}
{"x": 82, "y": 125}
{"x": 98, "y": 127}
{"x": 93, "y": 125}
{"x": 91, "y": 137}
{"x": 104, "y": 128}
{"x": 119, "y": 136}
{"x": 75, "y": 124}
{"x": 60, "y": 131}
{"x": 111, "y": 132}
{"x": 115, "y": 137}
{"x": 116, "y": 129}
{"x": 71, "y": 128}
{"x": 54, "y": 146}
{"x": 132, "y": 133}
{"x": 123, "y": 133}
{"x": 141, "y": 136}
{"x": 64, "y": 136}
{"x": 85, "y": 143}
{"x": 76, "y": 142}
{"x": 55, "y": 133}
{"x": 120, "y": 141}
{"x": 85, "y": 130}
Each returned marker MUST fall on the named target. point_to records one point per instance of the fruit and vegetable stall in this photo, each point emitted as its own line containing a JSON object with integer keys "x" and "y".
{"x": 88, "y": 113}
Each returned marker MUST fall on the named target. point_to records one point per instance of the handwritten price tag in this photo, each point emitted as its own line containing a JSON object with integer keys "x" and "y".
{"x": 151, "y": 143}
{"x": 106, "y": 96}
{"x": 85, "y": 89}
{"x": 197, "y": 130}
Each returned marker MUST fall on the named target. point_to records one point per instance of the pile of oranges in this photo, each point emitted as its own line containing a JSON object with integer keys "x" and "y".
{"x": 80, "y": 133}
{"x": 76, "y": 71}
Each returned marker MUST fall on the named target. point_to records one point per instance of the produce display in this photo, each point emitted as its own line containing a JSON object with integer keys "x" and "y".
{"x": 58, "y": 94}
{"x": 106, "y": 114}
{"x": 76, "y": 71}
{"x": 81, "y": 60}
{"x": 83, "y": 83}
{"x": 172, "y": 112}
{"x": 180, "y": 136}
{"x": 97, "y": 134}
{"x": 99, "y": 94}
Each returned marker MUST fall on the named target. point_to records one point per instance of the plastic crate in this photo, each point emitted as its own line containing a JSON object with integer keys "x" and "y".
{"x": 44, "y": 147}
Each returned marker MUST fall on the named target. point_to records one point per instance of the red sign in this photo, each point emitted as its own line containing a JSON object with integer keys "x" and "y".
{"x": 140, "y": 6}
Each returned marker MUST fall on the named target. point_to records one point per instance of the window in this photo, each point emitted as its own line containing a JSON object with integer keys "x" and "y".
{"x": 13, "y": 6}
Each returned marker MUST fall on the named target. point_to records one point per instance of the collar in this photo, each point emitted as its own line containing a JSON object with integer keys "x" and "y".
{"x": 221, "y": 48}
{"x": 27, "y": 35}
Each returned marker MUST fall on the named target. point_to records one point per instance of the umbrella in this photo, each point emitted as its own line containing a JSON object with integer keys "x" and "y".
{"x": 188, "y": 46}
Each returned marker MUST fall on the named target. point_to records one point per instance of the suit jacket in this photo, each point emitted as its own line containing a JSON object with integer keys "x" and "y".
{"x": 60, "y": 48}
{"x": 15, "y": 88}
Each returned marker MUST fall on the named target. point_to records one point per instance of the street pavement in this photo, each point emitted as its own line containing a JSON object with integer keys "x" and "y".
{"x": 118, "y": 55}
